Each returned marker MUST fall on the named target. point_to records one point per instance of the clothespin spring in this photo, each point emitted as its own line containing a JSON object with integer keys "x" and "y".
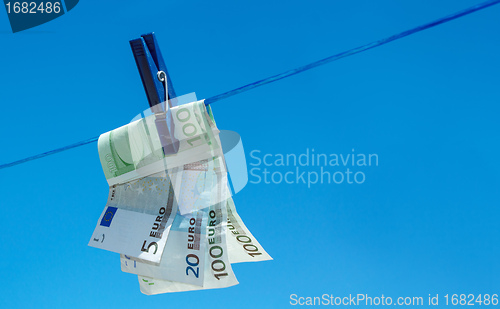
{"x": 162, "y": 77}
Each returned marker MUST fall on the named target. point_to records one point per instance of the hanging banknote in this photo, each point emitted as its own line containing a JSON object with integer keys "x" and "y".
{"x": 135, "y": 150}
{"x": 137, "y": 218}
{"x": 186, "y": 245}
{"x": 216, "y": 269}
{"x": 241, "y": 244}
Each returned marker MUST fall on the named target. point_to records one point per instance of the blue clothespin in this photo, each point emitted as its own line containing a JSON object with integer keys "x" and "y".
{"x": 158, "y": 87}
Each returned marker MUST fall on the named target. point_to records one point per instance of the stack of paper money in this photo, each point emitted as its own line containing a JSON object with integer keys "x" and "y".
{"x": 170, "y": 214}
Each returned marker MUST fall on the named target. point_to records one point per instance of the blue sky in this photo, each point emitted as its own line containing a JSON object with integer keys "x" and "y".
{"x": 425, "y": 221}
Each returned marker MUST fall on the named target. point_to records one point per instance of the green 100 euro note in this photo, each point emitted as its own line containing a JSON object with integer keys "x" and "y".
{"x": 135, "y": 150}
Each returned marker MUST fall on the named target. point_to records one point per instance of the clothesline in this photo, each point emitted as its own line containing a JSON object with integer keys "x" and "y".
{"x": 292, "y": 72}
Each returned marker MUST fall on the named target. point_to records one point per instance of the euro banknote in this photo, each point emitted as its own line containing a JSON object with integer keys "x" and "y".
{"x": 185, "y": 245}
{"x": 137, "y": 218}
{"x": 213, "y": 269}
{"x": 135, "y": 150}
{"x": 241, "y": 244}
